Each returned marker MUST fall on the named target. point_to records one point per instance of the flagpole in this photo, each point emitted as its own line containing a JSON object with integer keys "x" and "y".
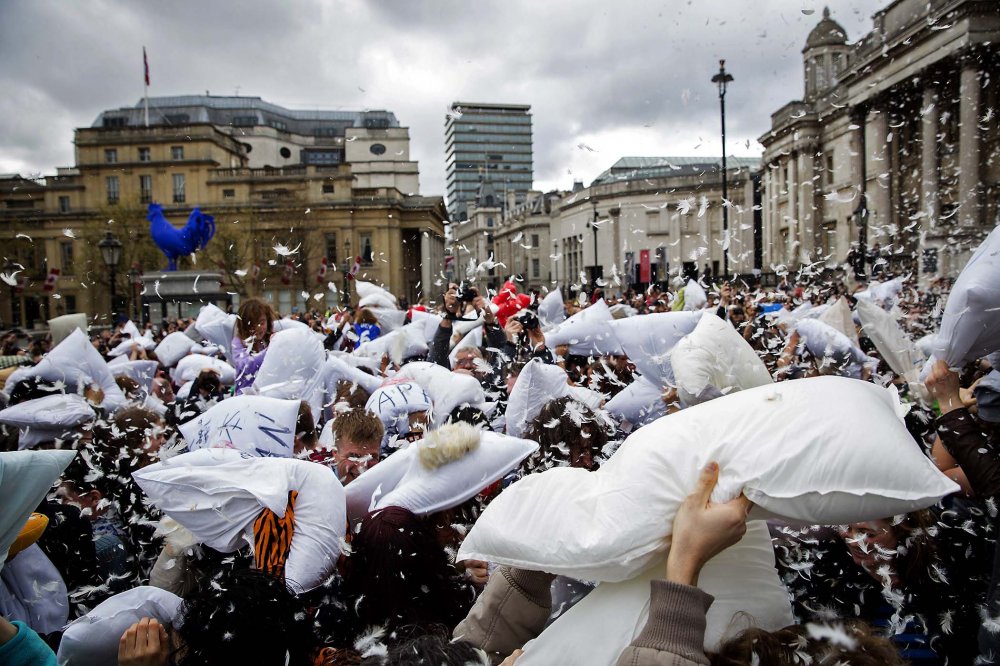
{"x": 145, "y": 79}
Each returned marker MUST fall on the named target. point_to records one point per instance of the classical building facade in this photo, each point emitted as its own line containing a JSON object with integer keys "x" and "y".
{"x": 522, "y": 240}
{"x": 296, "y": 196}
{"x": 486, "y": 142}
{"x": 894, "y": 144}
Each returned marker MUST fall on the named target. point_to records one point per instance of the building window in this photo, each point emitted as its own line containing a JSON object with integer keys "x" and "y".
{"x": 177, "y": 118}
{"x": 113, "y": 189}
{"x": 377, "y": 149}
{"x": 63, "y": 204}
{"x": 115, "y": 122}
{"x": 176, "y": 152}
{"x": 327, "y": 188}
{"x": 228, "y": 194}
{"x": 535, "y": 268}
{"x": 279, "y": 125}
{"x": 179, "y": 188}
{"x": 322, "y": 157}
{"x": 489, "y": 220}
{"x": 367, "y": 254}
{"x": 534, "y": 240}
{"x": 144, "y": 154}
{"x": 70, "y": 303}
{"x": 110, "y": 155}
{"x": 66, "y": 250}
{"x": 829, "y": 169}
{"x": 145, "y": 189}
{"x": 244, "y": 121}
{"x": 331, "y": 251}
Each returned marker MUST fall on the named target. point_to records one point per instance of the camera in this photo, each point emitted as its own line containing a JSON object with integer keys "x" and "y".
{"x": 467, "y": 294}
{"x": 529, "y": 321}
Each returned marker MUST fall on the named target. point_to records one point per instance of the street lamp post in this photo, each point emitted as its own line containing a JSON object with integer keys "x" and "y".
{"x": 111, "y": 253}
{"x": 345, "y": 293}
{"x": 134, "y": 281}
{"x": 593, "y": 227}
{"x": 722, "y": 79}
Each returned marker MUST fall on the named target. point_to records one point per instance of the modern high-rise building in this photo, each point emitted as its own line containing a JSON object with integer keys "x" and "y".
{"x": 487, "y": 142}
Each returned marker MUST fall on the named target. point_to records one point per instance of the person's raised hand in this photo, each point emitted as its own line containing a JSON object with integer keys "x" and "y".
{"x": 513, "y": 329}
{"x": 144, "y": 644}
{"x": 942, "y": 384}
{"x": 703, "y": 529}
{"x": 483, "y": 306}
{"x": 477, "y": 571}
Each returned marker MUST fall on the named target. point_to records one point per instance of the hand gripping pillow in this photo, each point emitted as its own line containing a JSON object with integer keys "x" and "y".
{"x": 25, "y": 479}
{"x": 189, "y": 367}
{"x": 217, "y": 327}
{"x": 899, "y": 352}
{"x": 537, "y": 384}
{"x": 648, "y": 339}
{"x": 292, "y": 367}
{"x": 447, "y": 389}
{"x": 742, "y": 578}
{"x": 714, "y": 360}
{"x": 77, "y": 364}
{"x": 449, "y": 466}
{"x": 371, "y": 294}
{"x": 970, "y": 327}
{"x": 552, "y": 310}
{"x": 93, "y": 638}
{"x": 772, "y": 442}
{"x": 254, "y": 424}
{"x": 216, "y": 494}
{"x": 54, "y": 415}
{"x": 638, "y": 403}
{"x": 588, "y": 332}
{"x": 173, "y": 348}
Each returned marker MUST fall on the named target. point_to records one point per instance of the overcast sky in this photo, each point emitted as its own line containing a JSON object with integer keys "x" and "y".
{"x": 603, "y": 81}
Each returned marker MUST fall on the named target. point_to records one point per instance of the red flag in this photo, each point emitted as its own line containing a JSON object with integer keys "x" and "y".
{"x": 286, "y": 276}
{"x": 50, "y": 281}
{"x": 322, "y": 271}
{"x": 145, "y": 65}
{"x": 355, "y": 268}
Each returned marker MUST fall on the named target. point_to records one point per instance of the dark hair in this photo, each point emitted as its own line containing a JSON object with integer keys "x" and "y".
{"x": 251, "y": 311}
{"x": 245, "y": 617}
{"x": 471, "y": 415}
{"x": 560, "y": 425}
{"x": 789, "y": 647}
{"x": 305, "y": 424}
{"x": 431, "y": 649}
{"x": 399, "y": 575}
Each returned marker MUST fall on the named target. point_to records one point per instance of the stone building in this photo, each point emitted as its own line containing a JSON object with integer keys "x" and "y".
{"x": 328, "y": 186}
{"x": 522, "y": 241}
{"x": 894, "y": 144}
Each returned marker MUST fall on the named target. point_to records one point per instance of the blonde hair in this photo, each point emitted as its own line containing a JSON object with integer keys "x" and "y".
{"x": 447, "y": 444}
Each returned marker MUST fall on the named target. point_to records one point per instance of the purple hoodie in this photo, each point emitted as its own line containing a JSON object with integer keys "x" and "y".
{"x": 247, "y": 364}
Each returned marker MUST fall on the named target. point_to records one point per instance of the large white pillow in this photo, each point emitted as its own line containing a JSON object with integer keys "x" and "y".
{"x": 293, "y": 367}
{"x": 537, "y": 384}
{"x": 61, "y": 327}
{"x": 401, "y": 344}
{"x": 588, "y": 332}
{"x": 216, "y": 494}
{"x": 408, "y": 479}
{"x": 473, "y": 338}
{"x": 389, "y": 319}
{"x": 429, "y": 320}
{"x": 143, "y": 372}
{"x": 970, "y": 327}
{"x": 25, "y": 478}
{"x": 648, "y": 339}
{"x": 825, "y": 342}
{"x": 47, "y": 418}
{"x": 37, "y": 590}
{"x": 93, "y": 639}
{"x": 125, "y": 347}
{"x": 173, "y": 348}
{"x": 393, "y": 404}
{"x": 336, "y": 369}
{"x": 370, "y": 294}
{"x": 896, "y": 348}
{"x": 254, "y": 424}
{"x": 217, "y": 327}
{"x": 638, "y": 403}
{"x": 840, "y": 317}
{"x": 742, "y": 578}
{"x": 551, "y": 309}
{"x": 780, "y": 444}
{"x": 76, "y": 363}
{"x": 695, "y": 297}
{"x": 447, "y": 389}
{"x": 713, "y": 360}
{"x": 189, "y": 367}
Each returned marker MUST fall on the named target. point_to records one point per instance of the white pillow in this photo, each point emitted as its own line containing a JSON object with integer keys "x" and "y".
{"x": 371, "y": 294}
{"x": 588, "y": 332}
{"x": 217, "y": 494}
{"x": 25, "y": 479}
{"x": 638, "y": 403}
{"x": 825, "y": 342}
{"x": 173, "y": 348}
{"x": 61, "y": 327}
{"x": 254, "y": 424}
{"x": 895, "y": 347}
{"x": 742, "y": 578}
{"x": 473, "y": 338}
{"x": 430, "y": 322}
{"x": 292, "y": 367}
{"x": 695, "y": 297}
{"x": 551, "y": 309}
{"x": 336, "y": 369}
{"x": 781, "y": 444}
{"x": 389, "y": 319}
{"x": 537, "y": 384}
{"x": 840, "y": 317}
{"x": 714, "y": 360}
{"x": 286, "y": 323}
{"x": 39, "y": 590}
{"x": 405, "y": 480}
{"x": 970, "y": 327}
{"x": 189, "y": 367}
{"x": 93, "y": 639}
{"x": 394, "y": 402}
{"x": 143, "y": 372}
{"x": 125, "y": 347}
{"x": 217, "y": 327}
{"x": 401, "y": 344}
{"x": 648, "y": 339}
{"x": 447, "y": 389}
{"x": 47, "y": 418}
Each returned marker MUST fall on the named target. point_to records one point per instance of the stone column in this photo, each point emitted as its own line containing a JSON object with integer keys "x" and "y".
{"x": 878, "y": 175}
{"x": 929, "y": 180}
{"x": 968, "y": 145}
{"x": 806, "y": 226}
{"x": 790, "y": 251}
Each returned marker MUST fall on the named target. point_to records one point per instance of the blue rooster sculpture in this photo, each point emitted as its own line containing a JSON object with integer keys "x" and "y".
{"x": 177, "y": 243}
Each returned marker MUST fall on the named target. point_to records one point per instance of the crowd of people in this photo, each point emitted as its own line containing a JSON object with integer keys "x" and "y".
{"x": 250, "y": 488}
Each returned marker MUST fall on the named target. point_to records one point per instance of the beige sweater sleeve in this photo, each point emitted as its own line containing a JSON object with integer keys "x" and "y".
{"x": 510, "y": 612}
{"x": 674, "y": 634}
